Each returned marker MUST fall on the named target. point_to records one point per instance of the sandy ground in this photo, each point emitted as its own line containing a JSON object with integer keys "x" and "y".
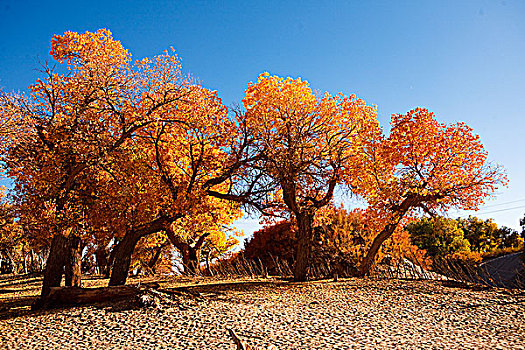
{"x": 349, "y": 314}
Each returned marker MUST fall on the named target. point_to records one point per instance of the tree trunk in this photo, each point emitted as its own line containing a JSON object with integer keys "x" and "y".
{"x": 55, "y": 264}
{"x": 14, "y": 267}
{"x": 155, "y": 258}
{"x": 111, "y": 259}
{"x": 24, "y": 260}
{"x": 102, "y": 258}
{"x": 304, "y": 246}
{"x": 191, "y": 260}
{"x": 32, "y": 261}
{"x": 388, "y": 230}
{"x": 398, "y": 212}
{"x": 73, "y": 262}
{"x": 60, "y": 296}
{"x": 366, "y": 264}
{"x": 208, "y": 263}
{"x": 3, "y": 267}
{"x": 190, "y": 255}
{"x": 35, "y": 261}
{"x": 122, "y": 259}
{"x": 124, "y": 249}
{"x": 185, "y": 254}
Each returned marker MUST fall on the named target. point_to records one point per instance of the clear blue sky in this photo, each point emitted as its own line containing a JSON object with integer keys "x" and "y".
{"x": 464, "y": 60}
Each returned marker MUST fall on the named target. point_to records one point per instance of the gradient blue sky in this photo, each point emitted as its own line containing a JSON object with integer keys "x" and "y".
{"x": 464, "y": 60}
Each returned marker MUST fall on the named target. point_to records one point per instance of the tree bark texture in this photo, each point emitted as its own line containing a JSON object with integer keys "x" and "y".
{"x": 191, "y": 255}
{"x": 111, "y": 259}
{"x": 304, "y": 246}
{"x": 59, "y": 296}
{"x": 122, "y": 259}
{"x": 191, "y": 259}
{"x": 366, "y": 264}
{"x": 125, "y": 248}
{"x": 13, "y": 262}
{"x": 73, "y": 262}
{"x": 155, "y": 258}
{"x": 388, "y": 230}
{"x": 55, "y": 264}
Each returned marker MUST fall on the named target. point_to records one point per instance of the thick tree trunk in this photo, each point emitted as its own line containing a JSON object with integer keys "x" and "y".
{"x": 208, "y": 270}
{"x": 124, "y": 249}
{"x": 304, "y": 246}
{"x": 60, "y": 296}
{"x": 366, "y": 264}
{"x": 195, "y": 259}
{"x": 190, "y": 259}
{"x": 388, "y": 230}
{"x": 73, "y": 262}
{"x": 55, "y": 264}
{"x": 122, "y": 259}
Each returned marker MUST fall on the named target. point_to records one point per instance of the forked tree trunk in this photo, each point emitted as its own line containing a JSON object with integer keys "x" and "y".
{"x": 185, "y": 254}
{"x": 55, "y": 264}
{"x": 304, "y": 246}
{"x": 73, "y": 262}
{"x": 191, "y": 255}
{"x": 207, "y": 259}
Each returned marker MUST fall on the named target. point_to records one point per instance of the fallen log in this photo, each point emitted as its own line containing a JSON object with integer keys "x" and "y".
{"x": 69, "y": 296}
{"x": 243, "y": 345}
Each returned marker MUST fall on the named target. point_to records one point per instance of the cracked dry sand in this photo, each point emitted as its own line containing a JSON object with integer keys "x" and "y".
{"x": 349, "y": 314}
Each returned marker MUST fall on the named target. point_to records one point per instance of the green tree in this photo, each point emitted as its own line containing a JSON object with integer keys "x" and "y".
{"x": 482, "y": 235}
{"x": 522, "y": 224}
{"x": 509, "y": 238}
{"x": 439, "y": 236}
